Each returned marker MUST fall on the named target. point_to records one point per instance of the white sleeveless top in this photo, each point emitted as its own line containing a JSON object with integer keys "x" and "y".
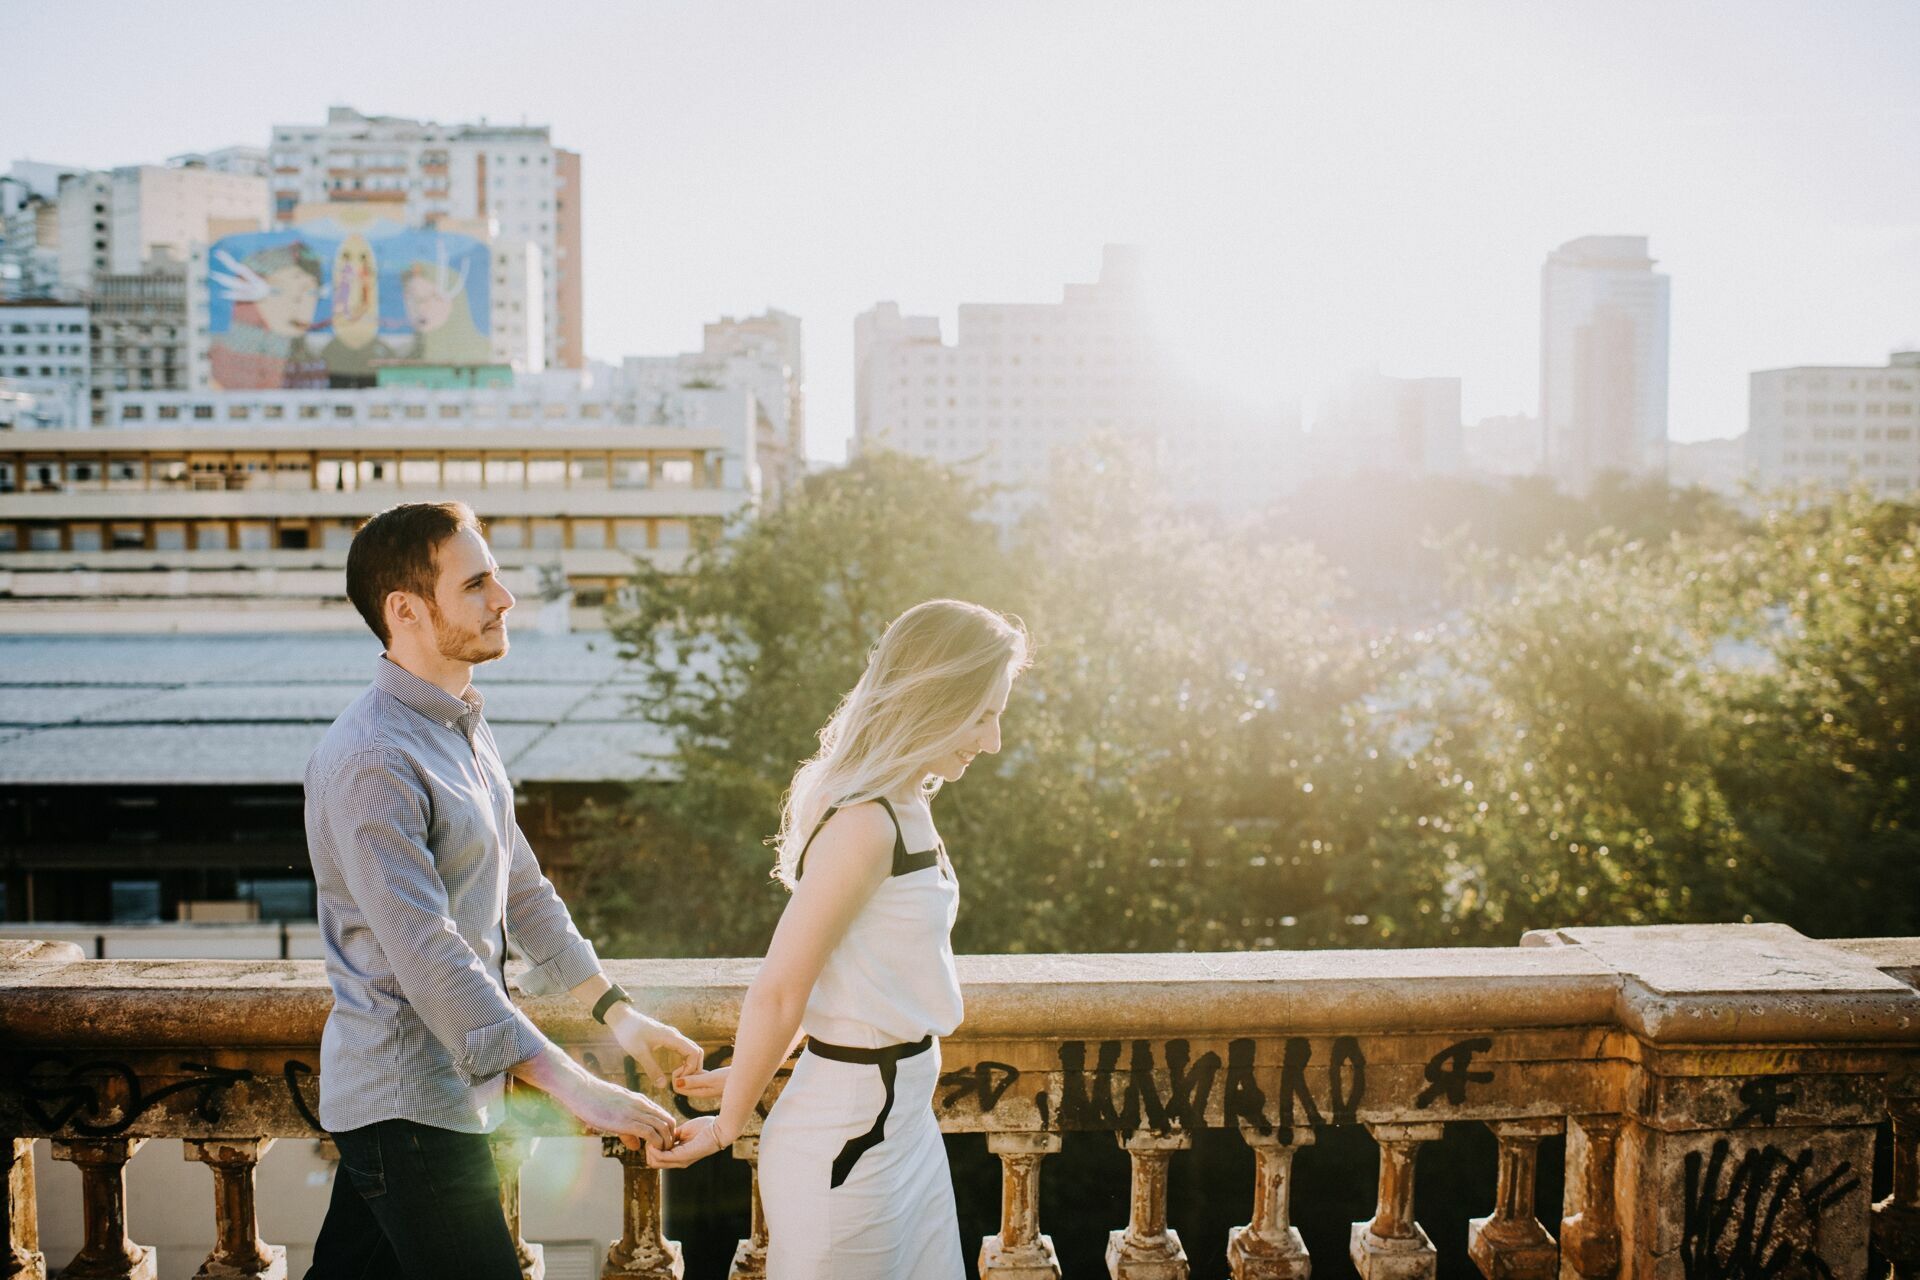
{"x": 891, "y": 979}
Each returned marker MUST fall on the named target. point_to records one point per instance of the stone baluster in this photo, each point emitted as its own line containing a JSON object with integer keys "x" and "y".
{"x": 1269, "y": 1247}
{"x": 23, "y": 1259}
{"x": 1393, "y": 1246}
{"x": 1146, "y": 1248}
{"x": 1896, "y": 1220}
{"x": 1020, "y": 1252}
{"x": 106, "y": 1252}
{"x": 510, "y": 1151}
{"x": 643, "y": 1251}
{"x": 1510, "y": 1243}
{"x": 1590, "y": 1231}
{"x": 238, "y": 1252}
{"x": 750, "y": 1258}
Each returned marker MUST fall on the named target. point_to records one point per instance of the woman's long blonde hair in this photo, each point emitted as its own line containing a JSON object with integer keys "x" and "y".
{"x": 927, "y": 682}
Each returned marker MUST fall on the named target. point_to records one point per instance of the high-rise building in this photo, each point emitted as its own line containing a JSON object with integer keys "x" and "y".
{"x": 30, "y": 228}
{"x": 510, "y": 177}
{"x": 761, "y": 354}
{"x": 1026, "y": 385}
{"x": 1603, "y": 360}
{"x": 122, "y": 222}
{"x": 1831, "y": 426}
{"x": 1408, "y": 426}
{"x": 1020, "y": 381}
{"x": 43, "y": 350}
{"x": 138, "y": 333}
{"x": 1506, "y": 444}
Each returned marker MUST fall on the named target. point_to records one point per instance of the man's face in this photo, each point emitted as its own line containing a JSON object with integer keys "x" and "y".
{"x": 469, "y": 605}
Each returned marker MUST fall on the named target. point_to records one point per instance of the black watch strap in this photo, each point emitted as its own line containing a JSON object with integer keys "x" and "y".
{"x": 614, "y": 995}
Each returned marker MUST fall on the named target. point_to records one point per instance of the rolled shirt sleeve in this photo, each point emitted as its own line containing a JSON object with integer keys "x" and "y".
{"x": 374, "y": 818}
{"x": 559, "y": 959}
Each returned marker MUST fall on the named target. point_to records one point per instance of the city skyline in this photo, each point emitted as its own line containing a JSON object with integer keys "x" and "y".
{"x": 1323, "y": 191}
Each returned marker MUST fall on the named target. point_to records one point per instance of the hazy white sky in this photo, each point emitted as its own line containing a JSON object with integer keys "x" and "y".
{"x": 1333, "y": 185}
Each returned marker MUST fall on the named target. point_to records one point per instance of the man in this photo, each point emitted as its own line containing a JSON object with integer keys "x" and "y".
{"x": 422, "y": 871}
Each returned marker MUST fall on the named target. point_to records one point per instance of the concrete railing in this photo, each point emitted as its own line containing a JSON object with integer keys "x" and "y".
{"x": 1721, "y": 1089}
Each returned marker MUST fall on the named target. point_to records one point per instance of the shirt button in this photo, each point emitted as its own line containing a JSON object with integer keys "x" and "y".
{"x": 449, "y": 724}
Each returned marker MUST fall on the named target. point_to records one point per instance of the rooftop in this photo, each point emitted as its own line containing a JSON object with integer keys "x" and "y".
{"x": 248, "y": 709}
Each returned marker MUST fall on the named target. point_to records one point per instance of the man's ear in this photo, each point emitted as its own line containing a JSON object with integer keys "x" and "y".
{"x": 403, "y": 610}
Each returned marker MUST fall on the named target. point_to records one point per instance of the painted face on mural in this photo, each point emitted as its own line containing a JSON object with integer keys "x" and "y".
{"x": 287, "y": 308}
{"x": 428, "y": 307}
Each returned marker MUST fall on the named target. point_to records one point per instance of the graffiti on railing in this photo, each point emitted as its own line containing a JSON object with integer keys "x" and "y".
{"x": 1450, "y": 1071}
{"x": 82, "y": 1097}
{"x": 1759, "y": 1217}
{"x": 1763, "y": 1097}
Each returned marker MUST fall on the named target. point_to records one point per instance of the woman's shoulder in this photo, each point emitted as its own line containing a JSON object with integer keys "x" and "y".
{"x": 861, "y": 831}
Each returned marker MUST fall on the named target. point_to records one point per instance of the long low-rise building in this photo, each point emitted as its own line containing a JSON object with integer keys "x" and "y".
{"x": 1834, "y": 426}
{"x": 233, "y": 510}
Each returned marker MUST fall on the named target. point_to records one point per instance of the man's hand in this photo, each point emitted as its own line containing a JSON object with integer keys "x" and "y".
{"x": 597, "y": 1103}
{"x": 695, "y": 1140}
{"x": 647, "y": 1039}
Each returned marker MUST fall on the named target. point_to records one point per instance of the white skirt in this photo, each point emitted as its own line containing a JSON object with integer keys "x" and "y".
{"x": 892, "y": 1215}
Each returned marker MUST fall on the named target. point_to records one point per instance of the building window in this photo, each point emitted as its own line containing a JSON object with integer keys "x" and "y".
{"x": 461, "y": 472}
{"x": 273, "y": 411}
{"x": 549, "y": 535}
{"x": 84, "y": 537}
{"x": 169, "y": 535}
{"x": 128, "y": 537}
{"x": 126, "y": 473}
{"x": 309, "y": 410}
{"x": 132, "y": 412}
{"x": 673, "y": 535}
{"x": 506, "y": 473}
{"x": 135, "y": 901}
{"x": 43, "y": 537}
{"x": 676, "y": 473}
{"x": 420, "y": 473}
{"x": 507, "y": 535}
{"x": 587, "y": 470}
{"x": 546, "y": 473}
{"x": 210, "y": 535}
{"x": 335, "y": 475}
{"x": 589, "y": 535}
{"x": 630, "y": 472}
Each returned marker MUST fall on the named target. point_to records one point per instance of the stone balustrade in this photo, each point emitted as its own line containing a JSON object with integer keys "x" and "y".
{"x": 1720, "y": 1088}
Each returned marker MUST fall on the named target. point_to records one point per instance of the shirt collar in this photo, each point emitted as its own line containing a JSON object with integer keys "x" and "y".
{"x": 427, "y": 698}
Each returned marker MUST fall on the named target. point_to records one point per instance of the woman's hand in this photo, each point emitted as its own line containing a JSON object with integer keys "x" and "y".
{"x": 700, "y": 1084}
{"x": 695, "y": 1140}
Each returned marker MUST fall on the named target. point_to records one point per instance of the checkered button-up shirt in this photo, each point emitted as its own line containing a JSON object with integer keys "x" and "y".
{"x": 421, "y": 870}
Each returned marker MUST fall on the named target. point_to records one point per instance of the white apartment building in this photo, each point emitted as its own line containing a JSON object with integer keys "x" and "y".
{"x": 1406, "y": 426}
{"x": 1026, "y": 386}
{"x": 120, "y": 222}
{"x": 1507, "y": 444}
{"x": 1020, "y": 381}
{"x": 44, "y": 352}
{"x": 30, "y": 228}
{"x": 1832, "y": 426}
{"x": 512, "y": 177}
{"x": 762, "y": 354}
{"x": 233, "y": 510}
{"x": 1603, "y": 360}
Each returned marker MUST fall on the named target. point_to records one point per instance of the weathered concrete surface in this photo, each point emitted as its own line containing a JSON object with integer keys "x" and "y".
{"x": 1726, "y": 1062}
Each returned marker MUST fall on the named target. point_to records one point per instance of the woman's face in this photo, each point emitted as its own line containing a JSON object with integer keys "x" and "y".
{"x": 983, "y": 737}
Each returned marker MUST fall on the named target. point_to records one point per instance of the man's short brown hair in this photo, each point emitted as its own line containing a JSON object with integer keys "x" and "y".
{"x": 397, "y": 550}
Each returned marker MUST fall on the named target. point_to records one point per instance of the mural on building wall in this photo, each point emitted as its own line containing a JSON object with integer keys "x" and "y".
{"x": 319, "y": 304}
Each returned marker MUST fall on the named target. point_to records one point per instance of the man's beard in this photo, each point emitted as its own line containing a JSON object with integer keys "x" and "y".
{"x": 469, "y": 646}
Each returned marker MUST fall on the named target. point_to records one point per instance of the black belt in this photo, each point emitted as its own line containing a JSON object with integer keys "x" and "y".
{"x": 887, "y": 1059}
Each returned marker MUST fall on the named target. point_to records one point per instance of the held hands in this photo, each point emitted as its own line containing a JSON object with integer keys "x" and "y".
{"x": 695, "y": 1140}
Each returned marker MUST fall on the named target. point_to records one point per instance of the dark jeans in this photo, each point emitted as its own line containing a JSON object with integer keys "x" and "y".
{"x": 413, "y": 1201}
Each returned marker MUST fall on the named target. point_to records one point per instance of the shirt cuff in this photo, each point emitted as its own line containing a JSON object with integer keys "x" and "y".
{"x": 561, "y": 973}
{"x": 489, "y": 1050}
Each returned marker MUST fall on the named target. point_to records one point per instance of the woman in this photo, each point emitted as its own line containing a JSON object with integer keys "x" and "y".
{"x": 853, "y": 1176}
